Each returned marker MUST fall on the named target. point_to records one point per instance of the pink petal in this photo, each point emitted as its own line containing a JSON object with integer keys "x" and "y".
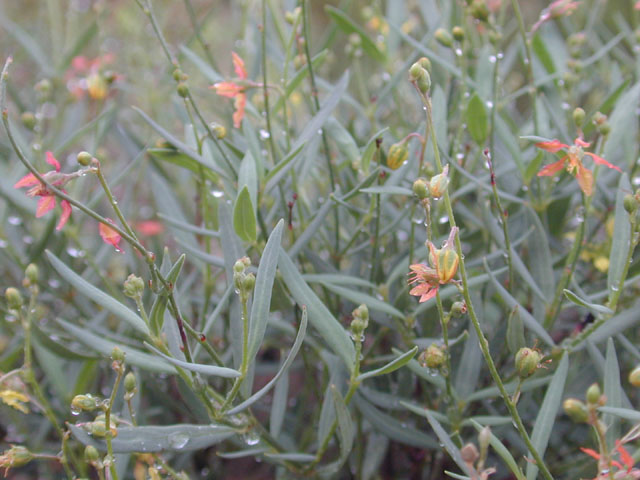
{"x": 238, "y": 65}
{"x": 27, "y": 181}
{"x": 552, "y": 168}
{"x": 45, "y": 204}
{"x": 552, "y": 146}
{"x": 109, "y": 235}
{"x": 602, "y": 161}
{"x": 428, "y": 295}
{"x": 238, "y": 115}
{"x": 581, "y": 143}
{"x": 626, "y": 458}
{"x": 150, "y": 227}
{"x": 51, "y": 160}
{"x": 66, "y": 213}
{"x": 228, "y": 89}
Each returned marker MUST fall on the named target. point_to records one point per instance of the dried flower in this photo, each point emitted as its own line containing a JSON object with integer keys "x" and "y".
{"x": 47, "y": 198}
{"x": 234, "y": 90}
{"x": 15, "y": 399}
{"x": 572, "y": 161}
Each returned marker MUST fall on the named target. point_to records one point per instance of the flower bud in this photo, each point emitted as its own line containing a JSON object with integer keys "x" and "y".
{"x": 495, "y": 37}
{"x": 593, "y": 394}
{"x": 16, "y": 456}
{"x": 599, "y": 118}
{"x": 415, "y": 72}
{"x": 31, "y": 273}
{"x": 432, "y": 357}
{"x": 458, "y": 309}
{"x": 420, "y": 189}
{"x": 130, "y": 383}
{"x": 634, "y": 377}
{"x": 133, "y": 286}
{"x": 398, "y": 154}
{"x": 84, "y": 158}
{"x": 360, "y": 320}
{"x": 576, "y": 410}
{"x": 91, "y": 454}
{"x": 630, "y": 203}
{"x": 84, "y": 403}
{"x": 443, "y": 37}
{"x": 183, "y": 90}
{"x": 14, "y": 298}
{"x": 28, "y": 120}
{"x": 117, "y": 355}
{"x": 484, "y": 438}
{"x": 97, "y": 86}
{"x": 469, "y": 453}
{"x": 438, "y": 184}
{"x": 249, "y": 282}
{"x": 578, "y": 116}
{"x": 527, "y": 361}
{"x": 447, "y": 262}
{"x": 604, "y": 129}
{"x": 425, "y": 63}
{"x": 479, "y": 10}
{"x": 99, "y": 430}
{"x": 458, "y": 33}
{"x": 239, "y": 266}
{"x": 218, "y": 130}
{"x": 424, "y": 83}
{"x": 43, "y": 87}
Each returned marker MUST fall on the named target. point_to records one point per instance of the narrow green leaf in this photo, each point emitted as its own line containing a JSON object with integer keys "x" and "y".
{"x": 321, "y": 318}
{"x": 449, "y": 446}
{"x": 28, "y": 42}
{"x": 285, "y": 366}
{"x": 613, "y": 392}
{"x": 79, "y": 44}
{"x": 583, "y": 303}
{"x": 467, "y": 377}
{"x": 541, "y": 51}
{"x": 199, "y": 254}
{"x": 250, "y": 452}
{"x": 502, "y": 452}
{"x": 205, "y": 69}
{"x": 395, "y": 364}
{"x": 179, "y": 438}
{"x": 477, "y": 120}
{"x": 370, "y": 149}
{"x": 276, "y": 173}
{"x": 312, "y": 228}
{"x": 389, "y": 189}
{"x": 515, "y": 331}
{"x": 346, "y": 430}
{"x": 546, "y": 418}
{"x": 370, "y": 301}
{"x": 103, "y": 345}
{"x": 620, "y": 239}
{"x": 337, "y": 279}
{"x": 626, "y": 413}
{"x": 292, "y": 457}
{"x": 279, "y": 405}
{"x": 298, "y": 77}
{"x": 533, "y": 167}
{"x": 181, "y": 160}
{"x": 214, "y": 370}
{"x": 188, "y": 227}
{"x": 347, "y": 25}
{"x": 244, "y": 218}
{"x": 97, "y": 295}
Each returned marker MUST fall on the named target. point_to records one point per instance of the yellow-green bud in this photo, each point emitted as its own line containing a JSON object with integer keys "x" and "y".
{"x": 425, "y": 63}
{"x": 84, "y": 403}
{"x": 239, "y": 266}
{"x": 479, "y": 10}
{"x": 14, "y": 298}
{"x": 130, "y": 382}
{"x": 398, "y": 154}
{"x": 99, "y": 430}
{"x": 28, "y": 120}
{"x": 91, "y": 454}
{"x": 469, "y": 453}
{"x": 447, "y": 262}
{"x": 218, "y": 130}
{"x": 458, "y": 309}
{"x": 424, "y": 83}
{"x": 484, "y": 438}
{"x": 527, "y": 361}
{"x": 31, "y": 273}
{"x": 604, "y": 129}
{"x": 183, "y": 90}
{"x": 16, "y": 456}
{"x": 43, "y": 87}
{"x": 117, "y": 355}
{"x": 415, "y": 72}
{"x": 432, "y": 357}
{"x": 360, "y": 320}
{"x": 249, "y": 282}
{"x": 578, "y": 116}
{"x": 84, "y": 158}
{"x": 593, "y": 394}
{"x": 634, "y": 377}
{"x": 599, "y": 118}
{"x": 438, "y": 184}
{"x": 630, "y": 203}
{"x": 575, "y": 65}
{"x": 133, "y": 286}
{"x": 495, "y": 37}
{"x": 178, "y": 75}
{"x": 576, "y": 410}
{"x": 458, "y": 33}
{"x": 420, "y": 189}
{"x": 443, "y": 37}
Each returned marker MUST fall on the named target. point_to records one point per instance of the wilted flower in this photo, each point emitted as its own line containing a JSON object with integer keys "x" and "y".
{"x": 572, "y": 161}
{"x": 234, "y": 90}
{"x": 109, "y": 235}
{"x": 15, "y": 400}
{"x": 47, "y": 198}
{"x": 89, "y": 76}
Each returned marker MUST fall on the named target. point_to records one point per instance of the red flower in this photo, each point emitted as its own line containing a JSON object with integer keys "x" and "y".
{"x": 109, "y": 235}
{"x": 150, "y": 227}
{"x": 47, "y": 198}
{"x": 572, "y": 161}
{"x": 625, "y": 457}
{"x": 234, "y": 90}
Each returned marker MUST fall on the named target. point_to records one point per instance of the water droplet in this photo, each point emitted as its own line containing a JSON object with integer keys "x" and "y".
{"x": 251, "y": 438}
{"x": 178, "y": 440}
{"x": 28, "y": 239}
{"x": 614, "y": 287}
{"x": 458, "y": 52}
{"x": 493, "y": 59}
{"x": 3, "y": 243}
{"x": 443, "y": 219}
{"x": 319, "y": 131}
{"x": 217, "y": 193}
{"x": 489, "y": 104}
{"x": 565, "y": 106}
{"x": 75, "y": 253}
{"x": 53, "y": 283}
{"x": 500, "y": 55}
{"x": 75, "y": 411}
{"x": 418, "y": 217}
{"x": 13, "y": 220}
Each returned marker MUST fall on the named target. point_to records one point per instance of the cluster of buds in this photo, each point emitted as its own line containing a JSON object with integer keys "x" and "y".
{"x": 601, "y": 122}
{"x": 359, "y": 323}
{"x": 98, "y": 428}
{"x": 474, "y": 459}
{"x": 580, "y": 412}
{"x": 434, "y": 188}
{"x": 243, "y": 281}
{"x": 432, "y": 357}
{"x": 133, "y": 287}
{"x": 419, "y": 75}
{"x": 117, "y": 359}
{"x": 527, "y": 361}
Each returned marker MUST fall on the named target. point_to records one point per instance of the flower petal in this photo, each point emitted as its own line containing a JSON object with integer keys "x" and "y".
{"x": 602, "y": 161}
{"x": 238, "y": 66}
{"x": 150, "y": 227}
{"x": 238, "y": 115}
{"x": 552, "y": 168}
{"x": 428, "y": 296}
{"x": 27, "y": 181}
{"x": 591, "y": 453}
{"x": 552, "y": 146}
{"x": 581, "y": 143}
{"x": 626, "y": 458}
{"x": 585, "y": 179}
{"x": 109, "y": 235}
{"x": 66, "y": 213}
{"x": 45, "y": 204}
{"x": 228, "y": 89}
{"x": 51, "y": 160}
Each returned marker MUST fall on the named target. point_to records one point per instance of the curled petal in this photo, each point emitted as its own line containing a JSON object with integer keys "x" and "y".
{"x": 27, "y": 181}
{"x": 585, "y": 179}
{"x": 238, "y": 66}
{"x": 109, "y": 235}
{"x": 602, "y": 161}
{"x": 552, "y": 168}
{"x": 591, "y": 453}
{"x": 552, "y": 146}
{"x": 228, "y": 89}
{"x": 424, "y": 291}
{"x": 66, "y": 213}
{"x": 581, "y": 143}
{"x": 51, "y": 160}
{"x": 626, "y": 458}
{"x": 45, "y": 204}
{"x": 238, "y": 115}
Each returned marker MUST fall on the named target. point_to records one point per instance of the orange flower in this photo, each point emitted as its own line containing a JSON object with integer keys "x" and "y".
{"x": 572, "y": 161}
{"x": 625, "y": 458}
{"x": 234, "y": 90}
{"x": 47, "y": 199}
{"x": 556, "y": 9}
{"x": 109, "y": 235}
{"x": 445, "y": 266}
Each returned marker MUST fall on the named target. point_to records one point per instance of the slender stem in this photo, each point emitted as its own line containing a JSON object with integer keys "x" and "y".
{"x": 113, "y": 202}
{"x": 528, "y": 63}
{"x": 197, "y": 30}
{"x": 107, "y": 419}
{"x": 265, "y": 91}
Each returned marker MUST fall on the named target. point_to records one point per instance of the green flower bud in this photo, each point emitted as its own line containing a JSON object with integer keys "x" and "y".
{"x": 28, "y": 120}
{"x": 14, "y": 298}
{"x": 578, "y": 116}
{"x": 420, "y": 189}
{"x": 432, "y": 357}
{"x": 43, "y": 87}
{"x": 249, "y": 282}
{"x": 360, "y": 321}
{"x": 117, "y": 355}
{"x": 469, "y": 453}
{"x": 178, "y": 75}
{"x": 458, "y": 309}
{"x": 239, "y": 266}
{"x": 133, "y": 286}
{"x": 484, "y": 438}
{"x": 599, "y": 118}
{"x": 576, "y": 410}
{"x": 630, "y": 203}
{"x": 218, "y": 130}
{"x": 495, "y": 37}
{"x": 84, "y": 158}
{"x": 527, "y": 361}
{"x": 458, "y": 33}
{"x": 130, "y": 383}
{"x": 604, "y": 129}
{"x": 424, "y": 83}
{"x": 634, "y": 377}
{"x": 443, "y": 37}
{"x": 425, "y": 63}
{"x": 31, "y": 273}
{"x": 398, "y": 154}
{"x": 593, "y": 394}
{"x": 91, "y": 454}
{"x": 438, "y": 184}
{"x": 99, "y": 430}
{"x": 183, "y": 90}
{"x": 16, "y": 456}
{"x": 415, "y": 72}
{"x": 84, "y": 403}
{"x": 479, "y": 10}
